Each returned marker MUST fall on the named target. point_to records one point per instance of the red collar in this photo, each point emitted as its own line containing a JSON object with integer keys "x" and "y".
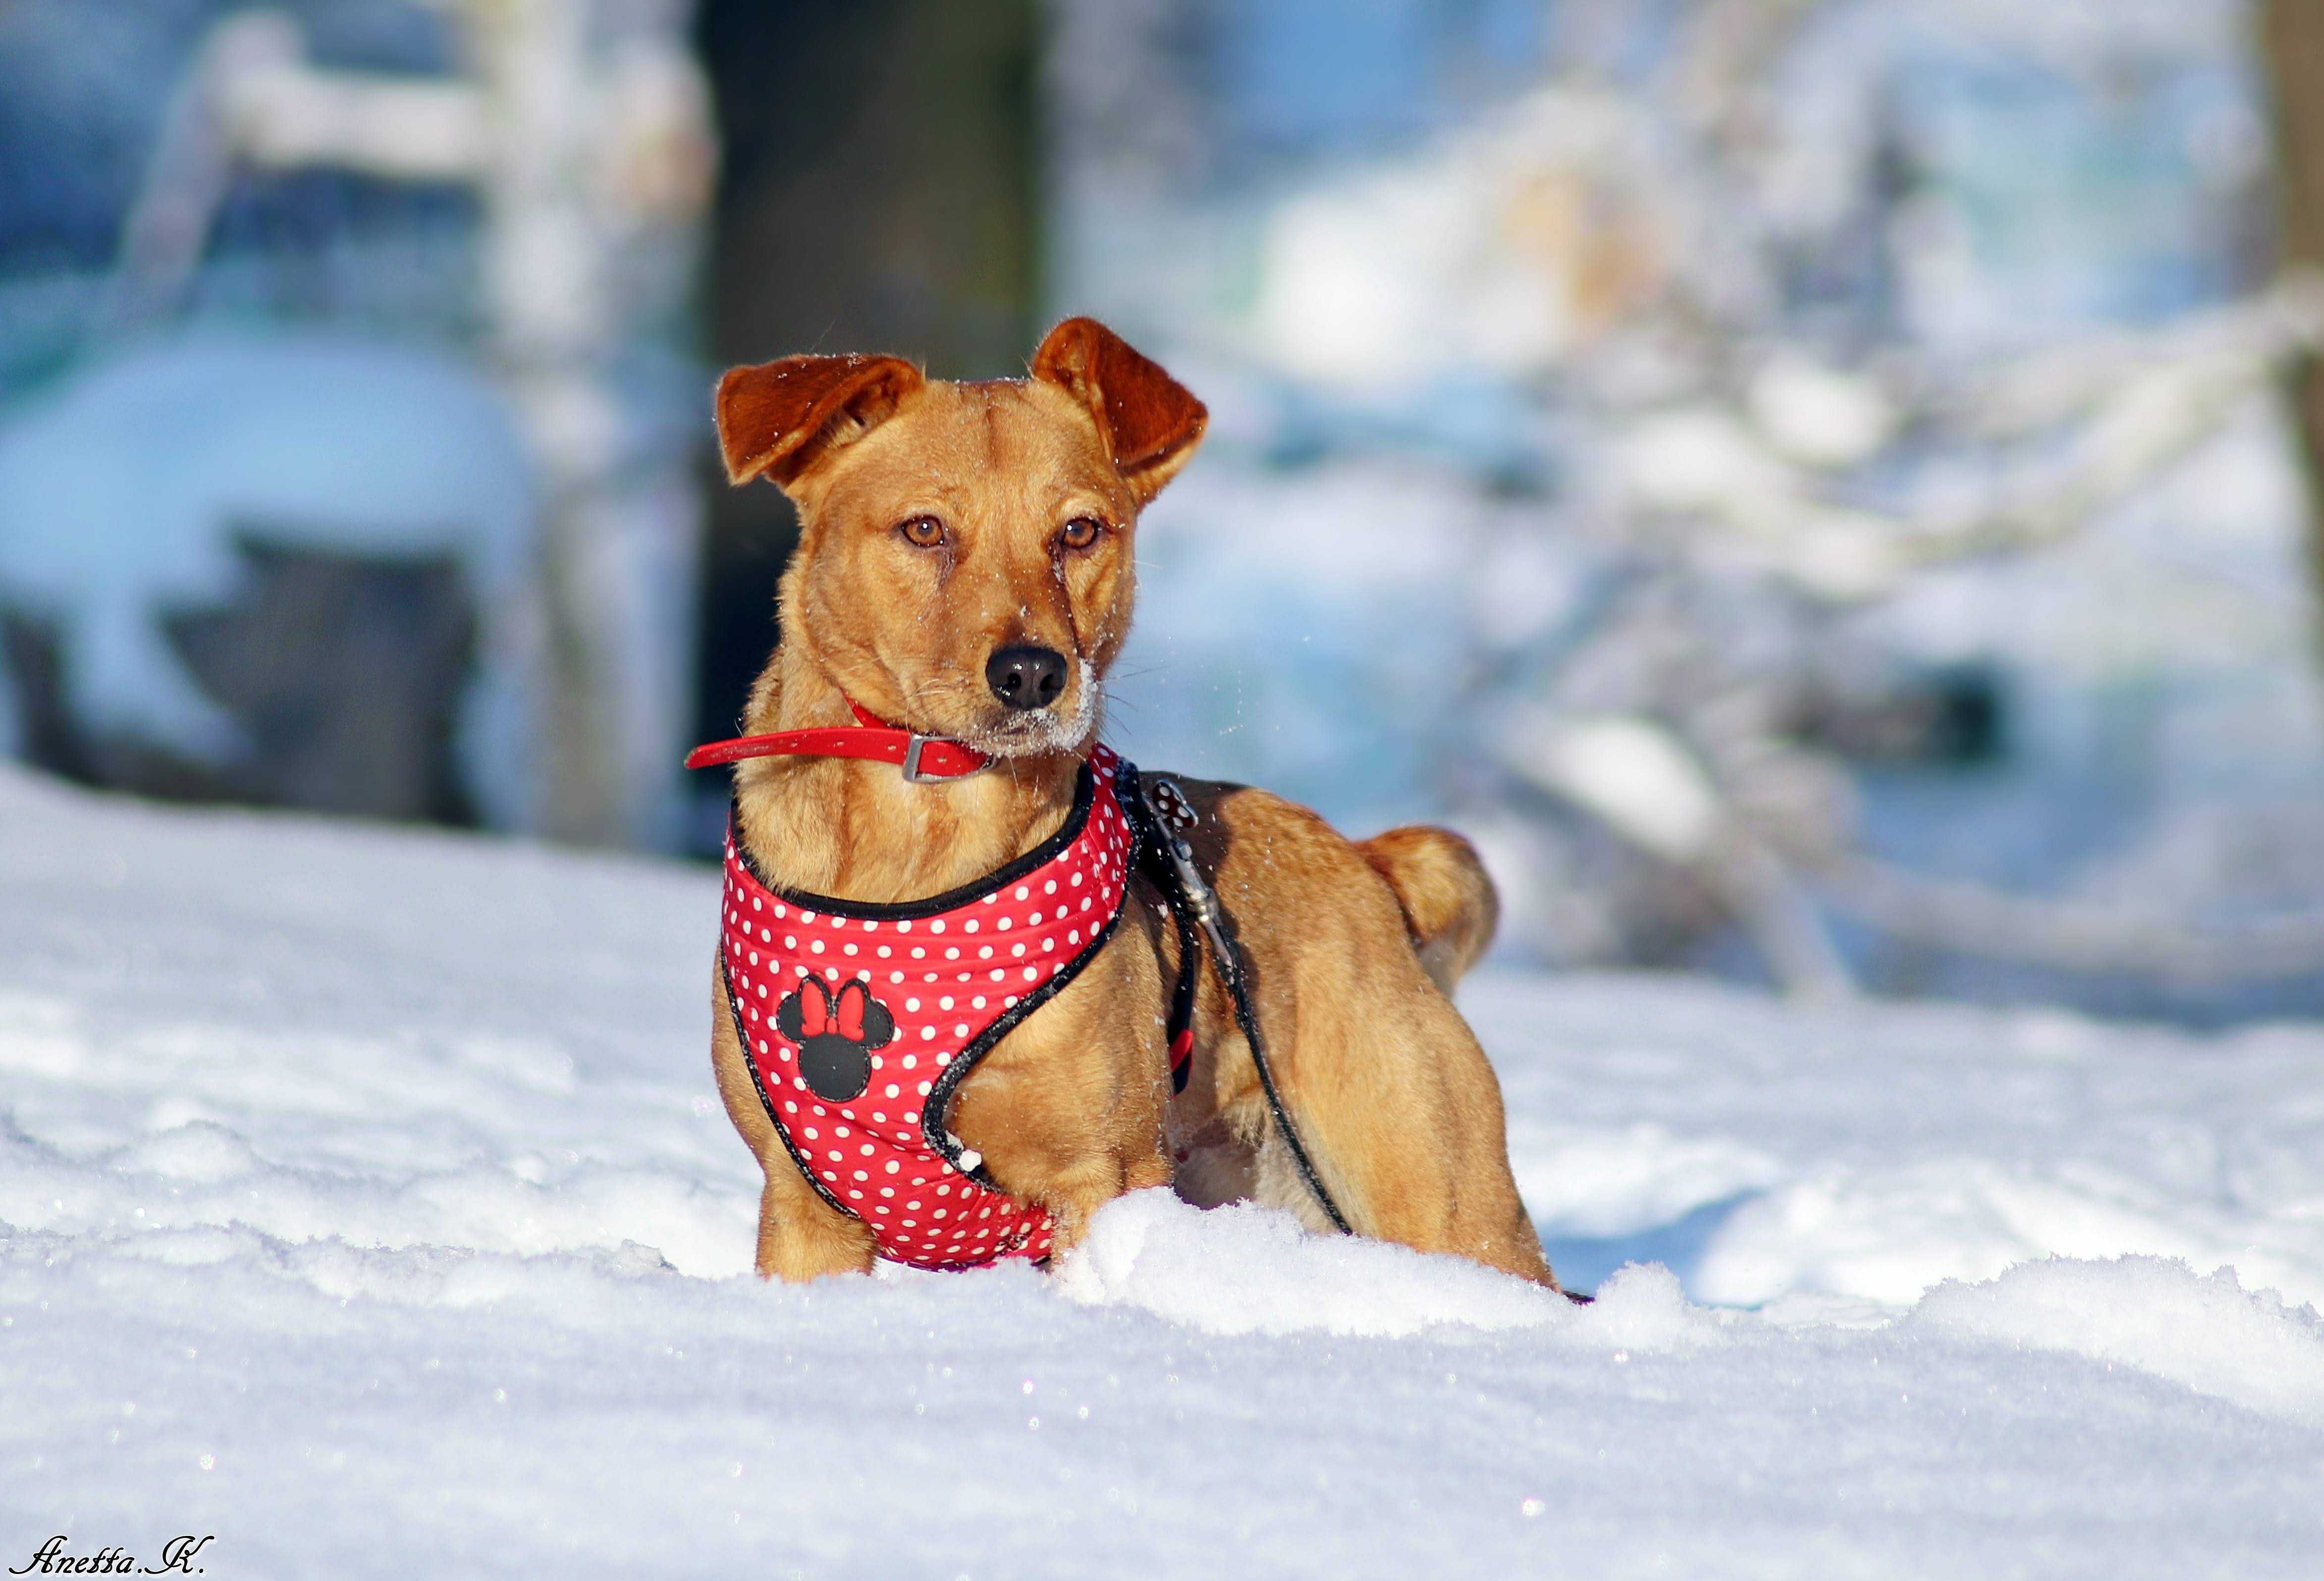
{"x": 921, "y": 757}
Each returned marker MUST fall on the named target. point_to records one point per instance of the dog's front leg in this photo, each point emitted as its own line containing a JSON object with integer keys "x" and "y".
{"x": 800, "y": 1235}
{"x": 1077, "y": 1193}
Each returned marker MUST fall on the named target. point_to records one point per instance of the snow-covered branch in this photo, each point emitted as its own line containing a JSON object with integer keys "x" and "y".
{"x": 1978, "y": 919}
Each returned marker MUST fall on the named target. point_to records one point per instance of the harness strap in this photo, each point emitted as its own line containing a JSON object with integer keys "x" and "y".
{"x": 1165, "y": 856}
{"x": 1181, "y": 1024}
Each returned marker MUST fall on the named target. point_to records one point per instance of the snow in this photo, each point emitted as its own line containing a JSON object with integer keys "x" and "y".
{"x": 365, "y": 1200}
{"x": 1246, "y": 1270}
{"x": 1869, "y": 1154}
{"x": 2206, "y": 1333}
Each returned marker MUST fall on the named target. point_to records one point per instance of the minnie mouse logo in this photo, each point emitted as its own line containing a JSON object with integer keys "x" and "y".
{"x": 836, "y": 1034}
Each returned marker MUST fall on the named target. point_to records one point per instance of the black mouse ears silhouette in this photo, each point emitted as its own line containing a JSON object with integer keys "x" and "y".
{"x": 852, "y": 1015}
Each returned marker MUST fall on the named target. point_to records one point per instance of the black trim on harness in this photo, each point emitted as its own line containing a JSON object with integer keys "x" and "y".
{"x": 936, "y": 1120}
{"x": 1084, "y": 798}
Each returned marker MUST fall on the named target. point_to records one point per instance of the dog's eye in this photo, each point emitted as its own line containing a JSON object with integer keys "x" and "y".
{"x": 923, "y": 532}
{"x": 1081, "y": 532}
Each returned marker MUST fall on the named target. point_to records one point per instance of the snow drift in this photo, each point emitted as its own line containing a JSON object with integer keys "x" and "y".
{"x": 364, "y": 1201}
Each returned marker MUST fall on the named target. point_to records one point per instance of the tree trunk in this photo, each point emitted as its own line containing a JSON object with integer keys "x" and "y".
{"x": 2291, "y": 51}
{"x": 877, "y": 193}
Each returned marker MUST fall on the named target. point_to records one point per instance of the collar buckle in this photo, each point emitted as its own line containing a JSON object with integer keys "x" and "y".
{"x": 916, "y": 745}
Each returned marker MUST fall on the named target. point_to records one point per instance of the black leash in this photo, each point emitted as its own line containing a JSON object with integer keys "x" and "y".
{"x": 1165, "y": 856}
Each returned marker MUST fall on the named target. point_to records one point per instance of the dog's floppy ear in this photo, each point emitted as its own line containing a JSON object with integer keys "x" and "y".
{"x": 1150, "y": 421}
{"x": 775, "y": 419}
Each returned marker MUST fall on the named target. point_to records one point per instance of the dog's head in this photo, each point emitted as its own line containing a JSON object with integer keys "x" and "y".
{"x": 964, "y": 563}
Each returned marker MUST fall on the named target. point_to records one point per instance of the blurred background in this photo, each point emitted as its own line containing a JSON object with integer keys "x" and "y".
{"x": 1818, "y": 489}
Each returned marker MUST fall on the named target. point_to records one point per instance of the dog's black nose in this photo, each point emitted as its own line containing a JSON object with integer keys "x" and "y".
{"x": 1026, "y": 678}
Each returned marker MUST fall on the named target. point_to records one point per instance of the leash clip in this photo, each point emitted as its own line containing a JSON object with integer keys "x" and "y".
{"x": 1200, "y": 899}
{"x": 1177, "y": 814}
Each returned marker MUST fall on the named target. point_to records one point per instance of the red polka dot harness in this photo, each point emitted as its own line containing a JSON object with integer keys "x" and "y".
{"x": 860, "y": 1023}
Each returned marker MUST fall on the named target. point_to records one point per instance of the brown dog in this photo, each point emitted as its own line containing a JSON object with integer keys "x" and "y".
{"x": 965, "y": 568}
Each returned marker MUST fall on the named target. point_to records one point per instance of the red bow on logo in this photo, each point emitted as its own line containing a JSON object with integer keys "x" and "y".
{"x": 852, "y": 1014}
{"x": 822, "y": 1014}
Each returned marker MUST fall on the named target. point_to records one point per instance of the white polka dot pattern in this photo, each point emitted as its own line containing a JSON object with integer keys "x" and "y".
{"x": 945, "y": 978}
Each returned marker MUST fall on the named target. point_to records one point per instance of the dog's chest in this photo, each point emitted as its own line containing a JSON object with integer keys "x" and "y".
{"x": 860, "y": 1023}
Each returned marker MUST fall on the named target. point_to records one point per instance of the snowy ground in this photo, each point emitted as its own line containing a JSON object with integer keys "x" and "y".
{"x": 364, "y": 1202}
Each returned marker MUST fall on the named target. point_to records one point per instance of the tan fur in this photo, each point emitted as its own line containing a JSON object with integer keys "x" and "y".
{"x": 1350, "y": 947}
{"x": 1445, "y": 893}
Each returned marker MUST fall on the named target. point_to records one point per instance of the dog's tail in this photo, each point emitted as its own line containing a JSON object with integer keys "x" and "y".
{"x": 1449, "y": 903}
